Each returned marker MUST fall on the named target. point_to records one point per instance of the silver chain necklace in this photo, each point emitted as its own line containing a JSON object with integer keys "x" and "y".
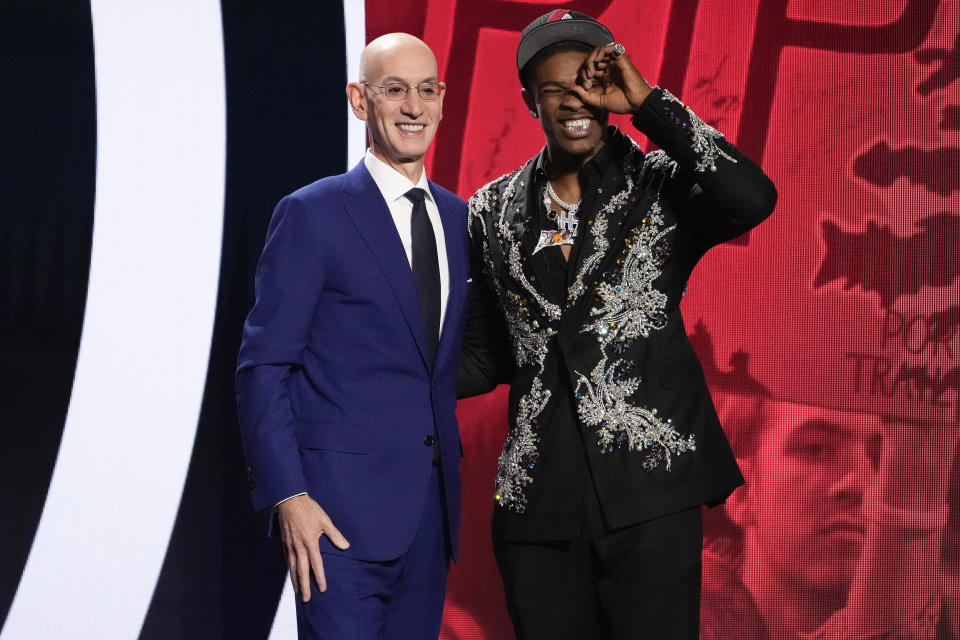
{"x": 551, "y": 194}
{"x": 567, "y": 222}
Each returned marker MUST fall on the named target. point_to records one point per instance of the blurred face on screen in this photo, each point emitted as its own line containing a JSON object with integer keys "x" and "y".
{"x": 802, "y": 508}
{"x": 571, "y": 127}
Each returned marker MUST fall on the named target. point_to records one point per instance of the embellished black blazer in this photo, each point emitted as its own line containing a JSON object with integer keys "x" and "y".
{"x": 612, "y": 356}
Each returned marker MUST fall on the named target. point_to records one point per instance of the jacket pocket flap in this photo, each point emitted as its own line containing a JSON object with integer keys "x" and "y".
{"x": 334, "y": 437}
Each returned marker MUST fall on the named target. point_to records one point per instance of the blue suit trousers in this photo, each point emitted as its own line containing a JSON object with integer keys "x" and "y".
{"x": 400, "y": 599}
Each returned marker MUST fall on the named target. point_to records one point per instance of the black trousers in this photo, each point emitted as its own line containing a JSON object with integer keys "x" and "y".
{"x": 635, "y": 583}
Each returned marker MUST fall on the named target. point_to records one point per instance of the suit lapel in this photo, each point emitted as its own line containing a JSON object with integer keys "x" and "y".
{"x": 522, "y": 219}
{"x": 526, "y": 209}
{"x": 373, "y": 221}
{"x": 454, "y": 234}
{"x": 609, "y": 221}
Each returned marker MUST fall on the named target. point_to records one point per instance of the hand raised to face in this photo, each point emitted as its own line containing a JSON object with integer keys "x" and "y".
{"x": 608, "y": 80}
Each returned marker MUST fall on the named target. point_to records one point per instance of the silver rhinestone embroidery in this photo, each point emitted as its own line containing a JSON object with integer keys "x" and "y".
{"x": 520, "y": 450}
{"x": 633, "y": 306}
{"x": 529, "y": 338}
{"x": 703, "y": 139}
{"x": 604, "y": 404}
{"x": 598, "y": 231}
{"x": 630, "y": 307}
{"x": 516, "y": 270}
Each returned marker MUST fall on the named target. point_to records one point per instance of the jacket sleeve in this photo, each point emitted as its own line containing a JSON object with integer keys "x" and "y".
{"x": 725, "y": 193}
{"x": 485, "y": 358}
{"x": 289, "y": 283}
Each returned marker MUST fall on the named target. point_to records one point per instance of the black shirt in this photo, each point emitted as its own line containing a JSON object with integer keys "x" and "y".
{"x": 601, "y": 174}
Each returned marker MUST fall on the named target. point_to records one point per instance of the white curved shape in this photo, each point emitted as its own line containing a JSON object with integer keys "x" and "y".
{"x": 355, "y": 25}
{"x": 142, "y": 364}
{"x": 285, "y": 622}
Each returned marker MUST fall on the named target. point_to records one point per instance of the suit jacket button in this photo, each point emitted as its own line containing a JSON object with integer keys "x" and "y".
{"x": 428, "y": 441}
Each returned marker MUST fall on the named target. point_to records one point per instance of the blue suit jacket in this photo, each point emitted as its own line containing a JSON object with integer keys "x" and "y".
{"x": 334, "y": 393}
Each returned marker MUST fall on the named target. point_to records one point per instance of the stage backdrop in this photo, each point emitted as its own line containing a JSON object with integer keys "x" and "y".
{"x": 145, "y": 143}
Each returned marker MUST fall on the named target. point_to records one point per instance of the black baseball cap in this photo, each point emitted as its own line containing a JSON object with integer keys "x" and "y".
{"x": 560, "y": 26}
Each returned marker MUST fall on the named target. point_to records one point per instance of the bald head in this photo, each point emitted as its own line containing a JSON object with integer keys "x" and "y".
{"x": 400, "y": 98}
{"x": 392, "y": 49}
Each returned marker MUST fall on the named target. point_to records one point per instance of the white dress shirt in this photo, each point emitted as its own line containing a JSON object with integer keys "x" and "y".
{"x": 393, "y": 185}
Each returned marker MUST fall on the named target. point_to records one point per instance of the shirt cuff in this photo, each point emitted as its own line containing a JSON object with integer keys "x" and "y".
{"x": 274, "y": 507}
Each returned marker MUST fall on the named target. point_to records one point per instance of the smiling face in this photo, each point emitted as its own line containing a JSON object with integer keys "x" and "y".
{"x": 573, "y": 130}
{"x": 399, "y": 131}
{"x": 802, "y": 508}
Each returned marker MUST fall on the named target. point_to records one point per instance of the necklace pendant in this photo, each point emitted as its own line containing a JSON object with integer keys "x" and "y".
{"x": 567, "y": 220}
{"x": 554, "y": 238}
{"x": 566, "y": 232}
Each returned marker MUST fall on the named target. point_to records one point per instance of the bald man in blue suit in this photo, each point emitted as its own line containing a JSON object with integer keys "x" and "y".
{"x": 346, "y": 376}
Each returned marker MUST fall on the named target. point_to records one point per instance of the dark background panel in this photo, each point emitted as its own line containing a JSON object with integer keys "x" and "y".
{"x": 286, "y": 127}
{"x": 47, "y": 184}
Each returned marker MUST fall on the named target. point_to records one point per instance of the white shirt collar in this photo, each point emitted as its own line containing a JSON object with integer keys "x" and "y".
{"x": 392, "y": 184}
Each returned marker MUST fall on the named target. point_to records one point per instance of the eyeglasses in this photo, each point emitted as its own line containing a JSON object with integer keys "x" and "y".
{"x": 429, "y": 91}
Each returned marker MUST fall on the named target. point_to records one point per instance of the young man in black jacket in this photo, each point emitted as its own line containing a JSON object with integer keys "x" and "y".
{"x": 581, "y": 258}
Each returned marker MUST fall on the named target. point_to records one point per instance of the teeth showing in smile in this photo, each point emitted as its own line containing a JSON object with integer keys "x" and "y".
{"x": 577, "y": 126}
{"x": 411, "y": 127}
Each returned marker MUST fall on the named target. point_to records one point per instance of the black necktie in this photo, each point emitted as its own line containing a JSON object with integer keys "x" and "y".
{"x": 426, "y": 270}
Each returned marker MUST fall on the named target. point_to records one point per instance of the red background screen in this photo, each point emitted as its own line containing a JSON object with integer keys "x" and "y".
{"x": 843, "y": 304}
